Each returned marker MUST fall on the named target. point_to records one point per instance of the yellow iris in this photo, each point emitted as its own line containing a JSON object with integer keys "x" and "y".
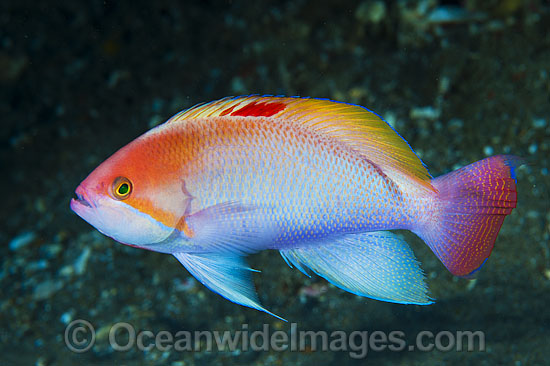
{"x": 122, "y": 187}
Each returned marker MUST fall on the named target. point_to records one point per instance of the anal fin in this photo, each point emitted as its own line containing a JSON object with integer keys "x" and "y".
{"x": 378, "y": 264}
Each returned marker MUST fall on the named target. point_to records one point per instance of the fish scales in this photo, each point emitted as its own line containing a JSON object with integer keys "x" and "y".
{"x": 305, "y": 184}
{"x": 322, "y": 182}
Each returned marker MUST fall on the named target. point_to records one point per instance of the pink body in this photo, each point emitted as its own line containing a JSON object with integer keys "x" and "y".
{"x": 309, "y": 177}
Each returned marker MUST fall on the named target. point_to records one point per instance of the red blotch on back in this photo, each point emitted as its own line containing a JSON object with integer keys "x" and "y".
{"x": 227, "y": 111}
{"x": 259, "y": 109}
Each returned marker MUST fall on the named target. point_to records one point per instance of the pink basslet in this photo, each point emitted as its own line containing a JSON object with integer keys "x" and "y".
{"x": 322, "y": 182}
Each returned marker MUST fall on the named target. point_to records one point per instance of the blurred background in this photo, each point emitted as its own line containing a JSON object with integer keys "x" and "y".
{"x": 460, "y": 80}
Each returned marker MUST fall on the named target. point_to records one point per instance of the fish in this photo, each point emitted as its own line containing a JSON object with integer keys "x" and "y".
{"x": 325, "y": 183}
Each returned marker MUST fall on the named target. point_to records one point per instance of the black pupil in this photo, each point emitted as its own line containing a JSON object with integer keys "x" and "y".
{"x": 123, "y": 188}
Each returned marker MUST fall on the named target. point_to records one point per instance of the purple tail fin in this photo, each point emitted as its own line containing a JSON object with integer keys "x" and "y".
{"x": 473, "y": 202}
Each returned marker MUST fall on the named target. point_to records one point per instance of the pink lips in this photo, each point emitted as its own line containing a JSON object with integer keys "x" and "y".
{"x": 81, "y": 202}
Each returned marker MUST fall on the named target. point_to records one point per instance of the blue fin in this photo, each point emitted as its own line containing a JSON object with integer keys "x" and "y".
{"x": 377, "y": 264}
{"x": 228, "y": 227}
{"x": 226, "y": 274}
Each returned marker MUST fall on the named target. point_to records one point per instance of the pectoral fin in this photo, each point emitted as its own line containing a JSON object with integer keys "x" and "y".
{"x": 229, "y": 227}
{"x": 226, "y": 274}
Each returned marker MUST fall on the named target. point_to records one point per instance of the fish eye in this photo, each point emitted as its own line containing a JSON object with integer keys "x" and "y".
{"x": 122, "y": 187}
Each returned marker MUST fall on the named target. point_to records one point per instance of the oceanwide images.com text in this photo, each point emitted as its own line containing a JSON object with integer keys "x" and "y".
{"x": 80, "y": 336}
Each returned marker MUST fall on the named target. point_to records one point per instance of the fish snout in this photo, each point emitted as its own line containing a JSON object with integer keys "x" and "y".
{"x": 81, "y": 200}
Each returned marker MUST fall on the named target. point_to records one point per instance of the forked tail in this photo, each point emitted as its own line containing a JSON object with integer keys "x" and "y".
{"x": 473, "y": 202}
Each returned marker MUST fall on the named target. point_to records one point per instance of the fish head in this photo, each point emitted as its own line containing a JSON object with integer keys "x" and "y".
{"x": 131, "y": 198}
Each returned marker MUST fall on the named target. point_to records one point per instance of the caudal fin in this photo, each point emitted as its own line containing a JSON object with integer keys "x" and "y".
{"x": 473, "y": 202}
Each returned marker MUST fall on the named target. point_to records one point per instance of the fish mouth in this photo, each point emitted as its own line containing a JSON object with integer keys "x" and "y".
{"x": 81, "y": 200}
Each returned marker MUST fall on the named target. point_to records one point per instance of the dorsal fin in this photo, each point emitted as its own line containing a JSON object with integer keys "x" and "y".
{"x": 357, "y": 127}
{"x": 251, "y": 106}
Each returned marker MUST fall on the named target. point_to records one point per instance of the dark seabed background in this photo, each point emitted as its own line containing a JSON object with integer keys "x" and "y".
{"x": 459, "y": 80}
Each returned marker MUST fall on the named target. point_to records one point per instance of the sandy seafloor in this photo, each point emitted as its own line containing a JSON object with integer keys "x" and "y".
{"x": 79, "y": 79}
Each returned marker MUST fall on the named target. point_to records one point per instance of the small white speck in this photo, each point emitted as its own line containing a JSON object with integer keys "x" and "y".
{"x": 66, "y": 318}
{"x": 488, "y": 150}
{"x": 81, "y": 262}
{"x": 455, "y": 124}
{"x": 539, "y": 123}
{"x": 391, "y": 118}
{"x": 428, "y": 113}
{"x": 444, "y": 84}
{"x": 155, "y": 120}
{"x": 22, "y": 240}
{"x": 532, "y": 148}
